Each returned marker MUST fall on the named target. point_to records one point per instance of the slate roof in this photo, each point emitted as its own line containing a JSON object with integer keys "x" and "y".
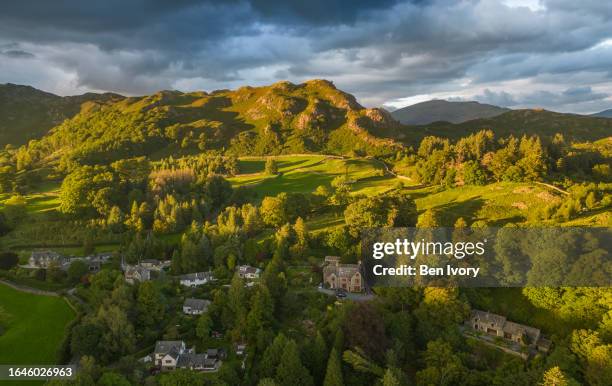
{"x": 165, "y": 346}
{"x": 197, "y": 276}
{"x": 196, "y": 304}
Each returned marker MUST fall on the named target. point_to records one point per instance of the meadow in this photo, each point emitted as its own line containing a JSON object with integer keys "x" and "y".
{"x": 303, "y": 174}
{"x": 35, "y": 329}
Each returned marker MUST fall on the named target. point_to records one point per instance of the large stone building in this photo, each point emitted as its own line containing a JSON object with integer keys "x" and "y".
{"x": 499, "y": 326}
{"x": 342, "y": 276}
{"x": 47, "y": 259}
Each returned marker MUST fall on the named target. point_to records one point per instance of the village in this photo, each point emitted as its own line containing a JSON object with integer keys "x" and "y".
{"x": 341, "y": 280}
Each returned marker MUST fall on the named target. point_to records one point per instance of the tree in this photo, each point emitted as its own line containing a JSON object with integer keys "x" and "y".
{"x": 333, "y": 375}
{"x": 290, "y": 370}
{"x": 273, "y": 211}
{"x": 316, "y": 357}
{"x": 204, "y": 326}
{"x": 391, "y": 378}
{"x": 149, "y": 304}
{"x": 271, "y": 166}
{"x": 366, "y": 329}
{"x": 429, "y": 219}
{"x": 443, "y": 366}
{"x": 112, "y": 379}
{"x": 8, "y": 260}
{"x": 473, "y": 174}
{"x": 77, "y": 270}
{"x": 85, "y": 338}
{"x": 261, "y": 314}
{"x": 365, "y": 213}
{"x": 218, "y": 189}
{"x": 118, "y": 336}
{"x": 267, "y": 382}
{"x": 554, "y": 377}
{"x": 272, "y": 356}
{"x": 115, "y": 220}
{"x": 181, "y": 377}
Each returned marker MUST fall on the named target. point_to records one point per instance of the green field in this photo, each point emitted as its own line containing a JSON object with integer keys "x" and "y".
{"x": 497, "y": 204}
{"x": 303, "y": 174}
{"x": 35, "y": 329}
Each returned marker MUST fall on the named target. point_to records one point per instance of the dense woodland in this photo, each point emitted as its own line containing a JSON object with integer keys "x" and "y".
{"x": 152, "y": 175}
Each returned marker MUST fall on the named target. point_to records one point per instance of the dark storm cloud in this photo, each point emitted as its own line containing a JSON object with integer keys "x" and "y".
{"x": 573, "y": 97}
{"x": 17, "y": 54}
{"x": 380, "y": 50}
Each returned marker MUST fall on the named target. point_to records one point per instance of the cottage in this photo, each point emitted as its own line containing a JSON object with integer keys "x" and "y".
{"x": 195, "y": 306}
{"x": 197, "y": 362}
{"x": 173, "y": 354}
{"x": 167, "y": 353}
{"x": 499, "y": 326}
{"x": 196, "y": 279}
{"x": 248, "y": 272}
{"x": 136, "y": 273}
{"x": 344, "y": 276}
{"x": 46, "y": 259}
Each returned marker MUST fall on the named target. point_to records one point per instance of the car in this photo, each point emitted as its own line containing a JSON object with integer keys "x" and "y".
{"x": 340, "y": 293}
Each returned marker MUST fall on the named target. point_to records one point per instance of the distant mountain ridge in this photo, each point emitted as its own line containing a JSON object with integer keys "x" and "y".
{"x": 282, "y": 118}
{"x": 27, "y": 113}
{"x": 603, "y": 114}
{"x": 444, "y": 111}
{"x": 520, "y": 122}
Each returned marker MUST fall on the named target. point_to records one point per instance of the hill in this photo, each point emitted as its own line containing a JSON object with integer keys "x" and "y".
{"x": 282, "y": 118}
{"x": 604, "y": 114}
{"x": 440, "y": 110}
{"x": 519, "y": 122}
{"x": 27, "y": 113}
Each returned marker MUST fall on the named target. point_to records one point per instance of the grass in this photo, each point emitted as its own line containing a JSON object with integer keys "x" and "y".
{"x": 35, "y": 329}
{"x": 497, "y": 204}
{"x": 303, "y": 174}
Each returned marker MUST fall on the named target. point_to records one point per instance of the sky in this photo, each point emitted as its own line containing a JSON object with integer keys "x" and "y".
{"x": 553, "y": 54}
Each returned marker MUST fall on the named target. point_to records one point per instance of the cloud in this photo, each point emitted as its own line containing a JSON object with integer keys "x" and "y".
{"x": 384, "y": 51}
{"x": 575, "y": 98}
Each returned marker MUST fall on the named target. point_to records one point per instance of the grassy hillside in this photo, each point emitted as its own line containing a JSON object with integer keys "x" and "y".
{"x": 282, "y": 118}
{"x": 439, "y": 110}
{"x": 304, "y": 174}
{"x": 27, "y": 113}
{"x": 519, "y": 122}
{"x": 27, "y": 339}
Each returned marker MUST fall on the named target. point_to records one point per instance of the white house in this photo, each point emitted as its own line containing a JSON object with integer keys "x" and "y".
{"x": 195, "y": 306}
{"x": 46, "y": 259}
{"x": 248, "y": 272}
{"x": 167, "y": 353}
{"x": 172, "y": 354}
{"x": 196, "y": 279}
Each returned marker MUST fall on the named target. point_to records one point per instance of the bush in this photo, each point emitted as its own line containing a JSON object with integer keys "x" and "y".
{"x": 8, "y": 260}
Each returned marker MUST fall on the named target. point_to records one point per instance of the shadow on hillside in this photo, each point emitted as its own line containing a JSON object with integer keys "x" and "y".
{"x": 451, "y": 211}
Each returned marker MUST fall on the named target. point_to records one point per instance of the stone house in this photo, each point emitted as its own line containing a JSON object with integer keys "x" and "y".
{"x": 499, "y": 326}
{"x": 136, "y": 273}
{"x": 195, "y": 306}
{"x": 47, "y": 258}
{"x": 342, "y": 276}
{"x": 248, "y": 272}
